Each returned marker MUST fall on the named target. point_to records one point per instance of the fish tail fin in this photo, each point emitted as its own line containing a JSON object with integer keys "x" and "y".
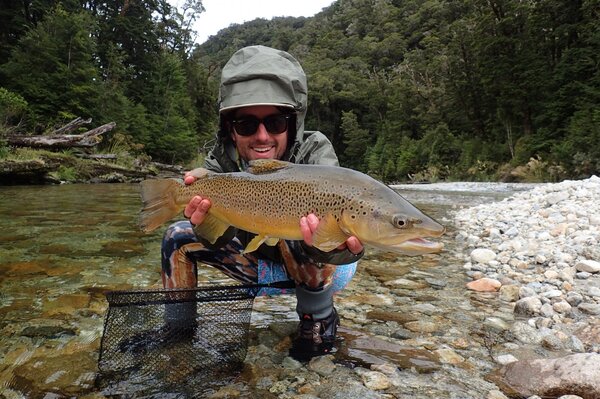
{"x": 159, "y": 203}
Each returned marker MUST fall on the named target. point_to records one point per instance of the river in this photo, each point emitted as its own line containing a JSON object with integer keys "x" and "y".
{"x": 63, "y": 246}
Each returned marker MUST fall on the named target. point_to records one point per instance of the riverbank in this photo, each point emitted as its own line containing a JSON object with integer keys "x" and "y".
{"x": 540, "y": 250}
{"x": 39, "y": 167}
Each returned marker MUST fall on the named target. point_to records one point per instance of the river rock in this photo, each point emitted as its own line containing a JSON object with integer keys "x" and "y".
{"x": 528, "y": 306}
{"x": 506, "y": 359}
{"x": 482, "y": 255}
{"x": 447, "y": 355}
{"x": 577, "y": 374}
{"x": 589, "y": 308}
{"x": 561, "y": 307}
{"x": 322, "y": 365}
{"x": 484, "y": 285}
{"x": 510, "y": 293}
{"x": 375, "y": 380}
{"x": 586, "y": 265}
{"x": 421, "y": 326}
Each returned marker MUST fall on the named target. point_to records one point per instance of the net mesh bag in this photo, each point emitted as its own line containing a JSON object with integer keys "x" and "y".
{"x": 175, "y": 342}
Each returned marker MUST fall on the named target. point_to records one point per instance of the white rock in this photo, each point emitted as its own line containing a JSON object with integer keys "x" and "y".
{"x": 482, "y": 255}
{"x": 552, "y": 294}
{"x": 557, "y": 197}
{"x": 594, "y": 291}
{"x": 505, "y": 359}
{"x": 588, "y": 265}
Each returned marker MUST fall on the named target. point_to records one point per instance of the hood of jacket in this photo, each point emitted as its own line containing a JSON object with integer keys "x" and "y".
{"x": 260, "y": 75}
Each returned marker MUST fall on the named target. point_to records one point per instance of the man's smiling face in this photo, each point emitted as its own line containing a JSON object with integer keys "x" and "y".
{"x": 261, "y": 144}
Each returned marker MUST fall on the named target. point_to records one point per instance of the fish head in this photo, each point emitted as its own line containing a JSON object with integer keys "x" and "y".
{"x": 391, "y": 223}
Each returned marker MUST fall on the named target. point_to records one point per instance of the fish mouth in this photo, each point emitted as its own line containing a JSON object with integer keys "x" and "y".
{"x": 418, "y": 246}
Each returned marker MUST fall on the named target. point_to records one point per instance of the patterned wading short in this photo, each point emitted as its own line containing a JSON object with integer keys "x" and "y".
{"x": 181, "y": 249}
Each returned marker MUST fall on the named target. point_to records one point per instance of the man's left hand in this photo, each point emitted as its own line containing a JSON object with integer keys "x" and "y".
{"x": 308, "y": 226}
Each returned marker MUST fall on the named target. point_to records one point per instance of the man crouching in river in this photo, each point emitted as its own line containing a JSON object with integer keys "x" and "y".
{"x": 262, "y": 106}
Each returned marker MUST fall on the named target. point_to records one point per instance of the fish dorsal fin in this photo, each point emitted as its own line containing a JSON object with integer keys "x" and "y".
{"x": 328, "y": 235}
{"x": 261, "y": 166}
{"x": 211, "y": 229}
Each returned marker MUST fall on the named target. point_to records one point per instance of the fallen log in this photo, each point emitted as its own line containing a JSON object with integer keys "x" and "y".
{"x": 74, "y": 124}
{"x": 60, "y": 141}
{"x": 97, "y": 156}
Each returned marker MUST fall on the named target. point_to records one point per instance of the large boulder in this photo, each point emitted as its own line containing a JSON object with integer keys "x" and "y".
{"x": 577, "y": 374}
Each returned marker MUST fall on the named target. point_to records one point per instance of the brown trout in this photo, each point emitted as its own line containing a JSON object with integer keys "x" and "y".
{"x": 271, "y": 197}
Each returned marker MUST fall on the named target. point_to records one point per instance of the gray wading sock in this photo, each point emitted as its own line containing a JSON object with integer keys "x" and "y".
{"x": 180, "y": 315}
{"x": 319, "y": 304}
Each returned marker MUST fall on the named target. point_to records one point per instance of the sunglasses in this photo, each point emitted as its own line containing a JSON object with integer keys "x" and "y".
{"x": 248, "y": 125}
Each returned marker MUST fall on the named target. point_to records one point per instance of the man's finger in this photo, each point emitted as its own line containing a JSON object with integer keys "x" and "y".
{"x": 305, "y": 230}
{"x": 200, "y": 212}
{"x": 190, "y": 208}
{"x": 354, "y": 245}
{"x": 313, "y": 222}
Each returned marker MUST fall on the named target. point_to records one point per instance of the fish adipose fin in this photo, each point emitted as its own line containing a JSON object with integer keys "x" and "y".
{"x": 211, "y": 228}
{"x": 159, "y": 205}
{"x": 257, "y": 242}
{"x": 328, "y": 235}
{"x": 262, "y": 166}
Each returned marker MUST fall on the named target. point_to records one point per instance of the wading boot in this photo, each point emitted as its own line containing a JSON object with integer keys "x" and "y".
{"x": 315, "y": 337}
{"x": 316, "y": 334}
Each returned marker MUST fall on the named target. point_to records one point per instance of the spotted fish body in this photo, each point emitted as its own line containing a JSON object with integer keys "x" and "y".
{"x": 272, "y": 196}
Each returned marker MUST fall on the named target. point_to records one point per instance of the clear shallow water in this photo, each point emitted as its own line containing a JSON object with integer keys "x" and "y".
{"x": 61, "y": 247}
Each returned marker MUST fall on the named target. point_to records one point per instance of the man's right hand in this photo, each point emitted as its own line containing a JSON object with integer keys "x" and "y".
{"x": 197, "y": 209}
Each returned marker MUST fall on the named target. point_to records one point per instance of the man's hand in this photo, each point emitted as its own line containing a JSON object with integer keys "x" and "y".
{"x": 197, "y": 209}
{"x": 308, "y": 226}
{"x": 193, "y": 175}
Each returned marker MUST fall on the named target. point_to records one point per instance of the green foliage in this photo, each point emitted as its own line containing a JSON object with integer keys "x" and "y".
{"x": 12, "y": 108}
{"x": 65, "y": 173}
{"x": 420, "y": 90}
{"x": 356, "y": 141}
{"x": 52, "y": 67}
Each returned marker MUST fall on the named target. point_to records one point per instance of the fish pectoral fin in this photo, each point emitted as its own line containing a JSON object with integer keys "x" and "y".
{"x": 256, "y": 242}
{"x": 328, "y": 235}
{"x": 212, "y": 228}
{"x": 262, "y": 166}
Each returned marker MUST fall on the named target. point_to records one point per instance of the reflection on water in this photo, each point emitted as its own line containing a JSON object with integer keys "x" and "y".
{"x": 62, "y": 247}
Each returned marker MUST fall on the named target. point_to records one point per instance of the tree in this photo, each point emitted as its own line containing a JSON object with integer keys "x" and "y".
{"x": 53, "y": 67}
{"x": 357, "y": 141}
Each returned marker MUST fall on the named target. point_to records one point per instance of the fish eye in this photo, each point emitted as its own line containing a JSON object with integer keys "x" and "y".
{"x": 399, "y": 221}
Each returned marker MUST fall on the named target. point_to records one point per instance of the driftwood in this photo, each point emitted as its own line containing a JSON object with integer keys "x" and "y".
{"x": 74, "y": 124}
{"x": 56, "y": 141}
{"x": 97, "y": 156}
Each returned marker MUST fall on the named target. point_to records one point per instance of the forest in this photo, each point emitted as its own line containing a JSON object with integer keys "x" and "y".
{"x": 411, "y": 90}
